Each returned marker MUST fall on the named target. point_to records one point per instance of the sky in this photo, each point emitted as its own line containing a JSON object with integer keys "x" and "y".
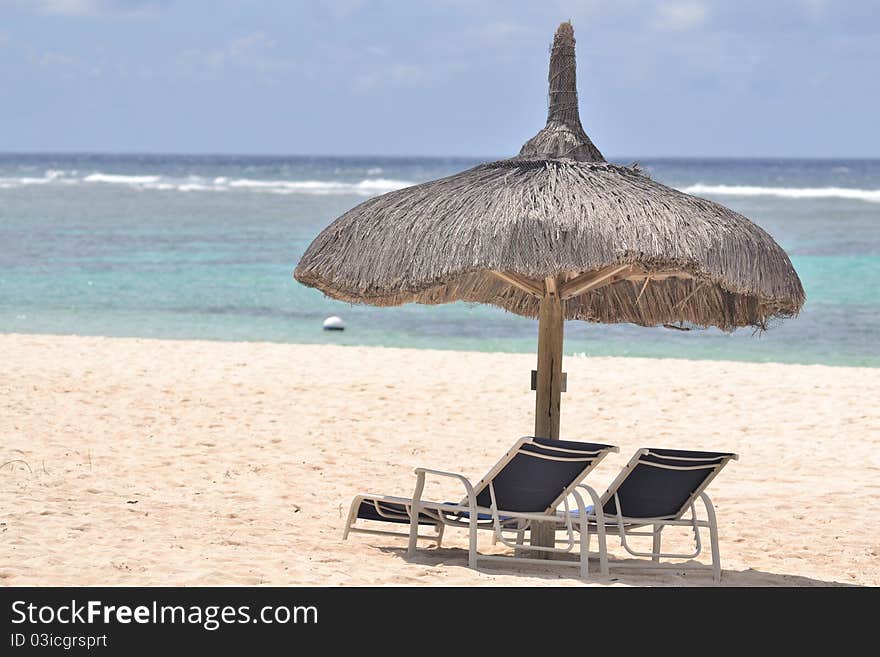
{"x": 752, "y": 78}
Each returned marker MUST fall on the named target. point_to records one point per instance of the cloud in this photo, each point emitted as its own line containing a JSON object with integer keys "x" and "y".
{"x": 88, "y": 7}
{"x": 395, "y": 75}
{"x": 680, "y": 16}
{"x": 68, "y": 7}
{"x": 256, "y": 41}
{"x": 405, "y": 73}
{"x": 250, "y": 56}
{"x": 63, "y": 65}
{"x": 254, "y": 52}
{"x": 815, "y": 9}
{"x": 499, "y": 30}
{"x": 342, "y": 9}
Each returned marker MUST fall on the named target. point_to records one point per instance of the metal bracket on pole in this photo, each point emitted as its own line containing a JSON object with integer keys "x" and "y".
{"x": 564, "y": 381}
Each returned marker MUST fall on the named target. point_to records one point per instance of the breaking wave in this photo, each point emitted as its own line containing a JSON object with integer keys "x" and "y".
{"x": 850, "y": 193}
{"x": 366, "y": 187}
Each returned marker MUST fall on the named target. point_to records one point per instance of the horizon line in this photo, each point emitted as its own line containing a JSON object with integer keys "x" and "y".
{"x": 480, "y": 158}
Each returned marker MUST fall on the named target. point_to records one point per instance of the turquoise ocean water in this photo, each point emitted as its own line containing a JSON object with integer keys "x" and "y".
{"x": 204, "y": 247}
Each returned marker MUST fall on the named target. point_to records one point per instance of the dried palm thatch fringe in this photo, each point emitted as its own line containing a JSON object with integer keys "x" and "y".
{"x": 558, "y": 209}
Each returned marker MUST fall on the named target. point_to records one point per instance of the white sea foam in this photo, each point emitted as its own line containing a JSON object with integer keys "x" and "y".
{"x": 362, "y": 188}
{"x": 117, "y": 179}
{"x": 51, "y": 175}
{"x": 193, "y": 187}
{"x": 871, "y": 195}
{"x": 23, "y": 181}
{"x": 195, "y": 183}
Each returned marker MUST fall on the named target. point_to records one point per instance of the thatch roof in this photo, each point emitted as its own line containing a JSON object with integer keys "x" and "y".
{"x": 620, "y": 246}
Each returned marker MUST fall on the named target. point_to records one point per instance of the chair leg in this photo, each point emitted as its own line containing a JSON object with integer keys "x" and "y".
{"x": 440, "y": 529}
{"x": 656, "y": 548}
{"x": 352, "y": 516}
{"x": 413, "y": 530}
{"x": 520, "y": 532}
{"x": 585, "y": 551}
{"x": 600, "y": 528}
{"x": 713, "y": 538}
{"x": 472, "y": 546}
{"x": 603, "y": 548}
{"x": 716, "y": 556}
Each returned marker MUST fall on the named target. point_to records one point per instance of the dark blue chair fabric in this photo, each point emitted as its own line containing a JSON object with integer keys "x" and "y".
{"x": 367, "y": 511}
{"x": 530, "y": 484}
{"x": 651, "y": 492}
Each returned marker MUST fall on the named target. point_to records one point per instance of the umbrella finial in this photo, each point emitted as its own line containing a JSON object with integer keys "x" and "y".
{"x": 562, "y": 78}
{"x": 563, "y": 136}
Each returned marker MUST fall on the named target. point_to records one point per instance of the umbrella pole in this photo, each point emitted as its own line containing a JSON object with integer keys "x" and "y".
{"x": 549, "y": 377}
{"x": 548, "y": 388}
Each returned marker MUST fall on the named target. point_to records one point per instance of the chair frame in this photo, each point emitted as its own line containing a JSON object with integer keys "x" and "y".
{"x": 625, "y": 527}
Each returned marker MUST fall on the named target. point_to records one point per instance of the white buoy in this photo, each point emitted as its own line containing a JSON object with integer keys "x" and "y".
{"x": 334, "y": 324}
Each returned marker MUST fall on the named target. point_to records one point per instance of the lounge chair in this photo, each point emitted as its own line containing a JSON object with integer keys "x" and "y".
{"x": 528, "y": 484}
{"x": 656, "y": 489}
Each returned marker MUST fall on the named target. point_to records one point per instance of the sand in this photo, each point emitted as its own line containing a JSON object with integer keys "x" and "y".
{"x": 147, "y": 462}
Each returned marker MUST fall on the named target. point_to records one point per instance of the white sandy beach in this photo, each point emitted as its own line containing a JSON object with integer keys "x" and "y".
{"x": 146, "y": 462}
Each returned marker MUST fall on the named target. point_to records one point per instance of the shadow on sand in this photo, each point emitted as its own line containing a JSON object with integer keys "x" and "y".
{"x": 630, "y": 572}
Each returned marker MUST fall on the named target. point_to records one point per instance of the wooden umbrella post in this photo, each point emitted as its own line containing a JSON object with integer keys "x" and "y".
{"x": 548, "y": 388}
{"x": 549, "y": 378}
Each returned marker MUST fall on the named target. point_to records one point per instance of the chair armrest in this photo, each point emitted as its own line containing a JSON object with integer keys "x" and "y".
{"x": 581, "y": 507}
{"x": 710, "y": 508}
{"x": 420, "y": 484}
{"x": 594, "y": 496}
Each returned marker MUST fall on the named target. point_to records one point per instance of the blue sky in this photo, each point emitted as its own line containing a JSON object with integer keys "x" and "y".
{"x": 795, "y": 78}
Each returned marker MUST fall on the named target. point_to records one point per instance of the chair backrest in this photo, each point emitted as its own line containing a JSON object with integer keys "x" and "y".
{"x": 536, "y": 474}
{"x": 662, "y": 483}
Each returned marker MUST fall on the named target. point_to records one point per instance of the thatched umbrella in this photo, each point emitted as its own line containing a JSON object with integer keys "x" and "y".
{"x": 557, "y": 232}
